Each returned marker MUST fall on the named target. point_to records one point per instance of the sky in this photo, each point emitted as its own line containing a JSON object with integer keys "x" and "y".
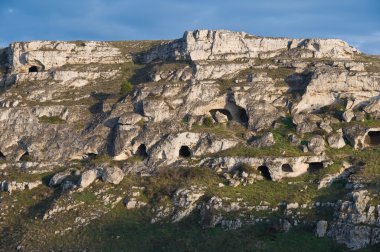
{"x": 356, "y": 21}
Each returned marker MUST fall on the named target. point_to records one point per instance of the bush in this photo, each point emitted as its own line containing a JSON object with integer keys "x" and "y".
{"x": 126, "y": 88}
{"x": 243, "y": 167}
{"x": 207, "y": 121}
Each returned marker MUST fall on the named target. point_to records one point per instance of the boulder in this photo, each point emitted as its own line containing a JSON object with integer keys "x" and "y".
{"x": 265, "y": 140}
{"x": 306, "y": 123}
{"x": 58, "y": 178}
{"x": 316, "y": 145}
{"x": 220, "y": 117}
{"x": 348, "y": 115}
{"x": 88, "y": 177}
{"x": 321, "y": 228}
{"x": 286, "y": 225}
{"x": 112, "y": 175}
{"x": 373, "y": 108}
{"x": 336, "y": 140}
{"x": 262, "y": 115}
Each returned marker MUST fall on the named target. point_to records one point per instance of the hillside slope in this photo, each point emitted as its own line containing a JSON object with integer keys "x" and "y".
{"x": 216, "y": 130}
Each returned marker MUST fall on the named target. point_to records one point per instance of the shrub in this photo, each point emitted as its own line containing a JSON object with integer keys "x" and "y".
{"x": 243, "y": 167}
{"x": 126, "y": 88}
{"x": 207, "y": 121}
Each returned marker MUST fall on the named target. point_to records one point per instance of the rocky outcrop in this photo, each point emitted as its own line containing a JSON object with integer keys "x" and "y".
{"x": 226, "y": 45}
{"x": 45, "y": 55}
{"x": 330, "y": 84}
{"x": 248, "y": 108}
{"x": 277, "y": 167}
{"x": 186, "y": 145}
{"x": 360, "y": 136}
{"x": 356, "y": 223}
{"x": 10, "y": 186}
{"x": 185, "y": 201}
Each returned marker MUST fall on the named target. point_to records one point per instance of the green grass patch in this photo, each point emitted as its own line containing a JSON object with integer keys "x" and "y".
{"x": 229, "y": 130}
{"x": 207, "y": 122}
{"x": 85, "y": 196}
{"x": 51, "y": 120}
{"x": 123, "y": 230}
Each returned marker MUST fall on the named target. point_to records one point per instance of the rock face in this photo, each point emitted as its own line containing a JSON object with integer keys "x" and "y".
{"x": 216, "y": 45}
{"x": 185, "y": 202}
{"x": 356, "y": 223}
{"x": 46, "y": 55}
{"x": 276, "y": 167}
{"x": 248, "y": 108}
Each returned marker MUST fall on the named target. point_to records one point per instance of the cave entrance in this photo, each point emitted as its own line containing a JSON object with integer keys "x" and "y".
{"x": 185, "y": 151}
{"x": 243, "y": 115}
{"x": 315, "y": 166}
{"x": 25, "y": 157}
{"x": 2, "y": 157}
{"x": 33, "y": 69}
{"x": 264, "y": 170}
{"x": 372, "y": 138}
{"x": 222, "y": 111}
{"x": 286, "y": 168}
{"x": 91, "y": 155}
{"x": 141, "y": 151}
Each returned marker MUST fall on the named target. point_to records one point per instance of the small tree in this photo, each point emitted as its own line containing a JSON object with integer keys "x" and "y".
{"x": 126, "y": 88}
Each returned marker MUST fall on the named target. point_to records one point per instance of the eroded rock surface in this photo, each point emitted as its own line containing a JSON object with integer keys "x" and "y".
{"x": 249, "y": 109}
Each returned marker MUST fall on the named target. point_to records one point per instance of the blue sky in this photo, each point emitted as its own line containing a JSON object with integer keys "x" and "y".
{"x": 356, "y": 21}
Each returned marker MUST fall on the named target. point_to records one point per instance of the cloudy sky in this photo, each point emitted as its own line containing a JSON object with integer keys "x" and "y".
{"x": 356, "y": 21}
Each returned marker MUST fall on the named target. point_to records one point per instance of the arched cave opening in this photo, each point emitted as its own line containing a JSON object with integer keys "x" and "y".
{"x": 2, "y": 156}
{"x": 372, "y": 138}
{"x": 33, "y": 69}
{"x": 25, "y": 157}
{"x": 243, "y": 115}
{"x": 286, "y": 168}
{"x": 222, "y": 111}
{"x": 141, "y": 151}
{"x": 185, "y": 151}
{"x": 315, "y": 166}
{"x": 264, "y": 170}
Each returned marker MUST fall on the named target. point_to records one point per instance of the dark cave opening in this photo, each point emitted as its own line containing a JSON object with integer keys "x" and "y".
{"x": 315, "y": 166}
{"x": 33, "y": 69}
{"x": 2, "y": 156}
{"x": 373, "y": 138}
{"x": 185, "y": 151}
{"x": 243, "y": 115}
{"x": 286, "y": 168}
{"x": 264, "y": 170}
{"x": 141, "y": 151}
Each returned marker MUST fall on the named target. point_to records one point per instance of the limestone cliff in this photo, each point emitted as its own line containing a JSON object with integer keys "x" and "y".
{"x": 218, "y": 100}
